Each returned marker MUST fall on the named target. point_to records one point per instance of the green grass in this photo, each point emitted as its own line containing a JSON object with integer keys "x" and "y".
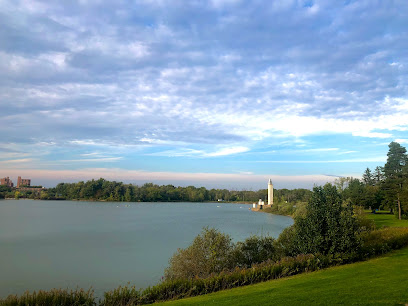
{"x": 384, "y": 219}
{"x": 380, "y": 281}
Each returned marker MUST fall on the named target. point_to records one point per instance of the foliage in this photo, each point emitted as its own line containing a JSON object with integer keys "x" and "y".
{"x": 209, "y": 253}
{"x": 328, "y": 227}
{"x": 59, "y": 297}
{"x": 383, "y": 240}
{"x": 254, "y": 250}
{"x": 17, "y": 195}
{"x": 3, "y": 191}
{"x": 368, "y": 177}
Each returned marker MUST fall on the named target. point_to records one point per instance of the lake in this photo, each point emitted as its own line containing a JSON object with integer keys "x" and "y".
{"x": 69, "y": 244}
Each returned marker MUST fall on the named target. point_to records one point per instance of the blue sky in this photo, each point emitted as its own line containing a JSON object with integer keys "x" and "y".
{"x": 214, "y": 93}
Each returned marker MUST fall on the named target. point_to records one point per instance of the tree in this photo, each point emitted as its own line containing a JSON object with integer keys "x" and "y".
{"x": 328, "y": 227}
{"x": 395, "y": 175}
{"x": 342, "y": 182}
{"x": 368, "y": 178}
{"x": 378, "y": 174}
{"x": 355, "y": 192}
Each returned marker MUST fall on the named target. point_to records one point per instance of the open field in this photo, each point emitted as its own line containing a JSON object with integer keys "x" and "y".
{"x": 380, "y": 281}
{"x": 383, "y": 219}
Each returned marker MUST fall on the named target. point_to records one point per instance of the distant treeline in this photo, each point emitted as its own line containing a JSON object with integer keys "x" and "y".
{"x": 103, "y": 190}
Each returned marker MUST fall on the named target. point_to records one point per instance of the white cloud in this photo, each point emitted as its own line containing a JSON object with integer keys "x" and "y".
{"x": 372, "y": 134}
{"x": 185, "y": 152}
{"x": 101, "y": 159}
{"x": 227, "y": 151}
{"x": 319, "y": 150}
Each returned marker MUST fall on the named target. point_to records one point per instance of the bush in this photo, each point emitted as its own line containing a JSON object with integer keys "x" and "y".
{"x": 209, "y": 253}
{"x": 382, "y": 241}
{"x": 254, "y": 250}
{"x": 59, "y": 297}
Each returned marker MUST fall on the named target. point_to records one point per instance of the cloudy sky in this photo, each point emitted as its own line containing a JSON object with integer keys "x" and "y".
{"x": 216, "y": 93}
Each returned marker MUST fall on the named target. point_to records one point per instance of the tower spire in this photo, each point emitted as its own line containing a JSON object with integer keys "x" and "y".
{"x": 270, "y": 192}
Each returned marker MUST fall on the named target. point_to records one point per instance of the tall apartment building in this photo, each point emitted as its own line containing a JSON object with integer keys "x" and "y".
{"x": 23, "y": 182}
{"x": 6, "y": 181}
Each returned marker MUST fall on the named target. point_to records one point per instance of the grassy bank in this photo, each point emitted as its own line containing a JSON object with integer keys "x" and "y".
{"x": 380, "y": 281}
{"x": 385, "y": 219}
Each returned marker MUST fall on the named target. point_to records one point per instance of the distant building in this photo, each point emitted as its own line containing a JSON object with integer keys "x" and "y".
{"x": 6, "y": 182}
{"x": 23, "y": 182}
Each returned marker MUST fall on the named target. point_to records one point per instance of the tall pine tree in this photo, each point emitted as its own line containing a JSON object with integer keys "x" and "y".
{"x": 395, "y": 171}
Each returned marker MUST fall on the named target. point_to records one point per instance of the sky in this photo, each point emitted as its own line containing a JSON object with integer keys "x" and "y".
{"x": 221, "y": 94}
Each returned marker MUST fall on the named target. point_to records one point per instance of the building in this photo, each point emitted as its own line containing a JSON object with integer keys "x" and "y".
{"x": 23, "y": 182}
{"x": 270, "y": 192}
{"x": 6, "y": 182}
{"x": 260, "y": 205}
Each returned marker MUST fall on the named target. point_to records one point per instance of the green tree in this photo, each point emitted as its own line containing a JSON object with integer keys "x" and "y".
{"x": 328, "y": 226}
{"x": 341, "y": 183}
{"x": 355, "y": 192}
{"x": 17, "y": 195}
{"x": 129, "y": 193}
{"x": 378, "y": 174}
{"x": 395, "y": 171}
{"x": 368, "y": 177}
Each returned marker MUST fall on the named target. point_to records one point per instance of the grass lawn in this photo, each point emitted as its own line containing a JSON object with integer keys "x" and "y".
{"x": 380, "y": 281}
{"x": 385, "y": 219}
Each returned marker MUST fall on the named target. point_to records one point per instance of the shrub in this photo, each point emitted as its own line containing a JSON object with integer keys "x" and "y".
{"x": 59, "y": 297}
{"x": 383, "y": 240}
{"x": 254, "y": 250}
{"x": 209, "y": 253}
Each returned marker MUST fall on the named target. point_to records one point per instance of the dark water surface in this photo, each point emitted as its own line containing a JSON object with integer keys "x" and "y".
{"x": 60, "y": 244}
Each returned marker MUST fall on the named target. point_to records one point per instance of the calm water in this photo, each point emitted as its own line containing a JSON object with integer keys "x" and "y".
{"x": 60, "y": 244}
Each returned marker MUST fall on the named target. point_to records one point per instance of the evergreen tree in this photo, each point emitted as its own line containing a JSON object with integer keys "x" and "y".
{"x": 395, "y": 171}
{"x": 378, "y": 174}
{"x": 368, "y": 177}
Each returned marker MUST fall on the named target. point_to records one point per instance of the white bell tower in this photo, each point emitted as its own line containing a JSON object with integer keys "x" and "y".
{"x": 270, "y": 192}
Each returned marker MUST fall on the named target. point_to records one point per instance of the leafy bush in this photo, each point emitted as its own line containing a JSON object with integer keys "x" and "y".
{"x": 59, "y": 297}
{"x": 212, "y": 252}
{"x": 209, "y": 253}
{"x": 383, "y": 240}
{"x": 254, "y": 250}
